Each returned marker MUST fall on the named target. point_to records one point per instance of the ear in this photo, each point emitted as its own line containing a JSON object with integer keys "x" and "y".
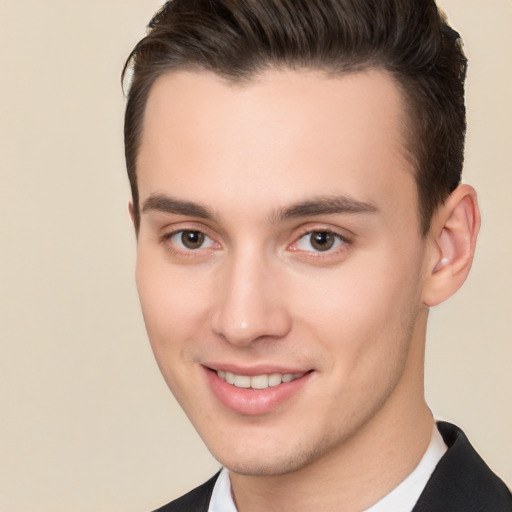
{"x": 132, "y": 213}
{"x": 452, "y": 241}
{"x": 134, "y": 219}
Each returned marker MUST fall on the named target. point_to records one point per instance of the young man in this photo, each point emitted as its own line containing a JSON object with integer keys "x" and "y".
{"x": 295, "y": 171}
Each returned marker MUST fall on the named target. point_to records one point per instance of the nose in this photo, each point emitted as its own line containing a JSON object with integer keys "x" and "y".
{"x": 251, "y": 303}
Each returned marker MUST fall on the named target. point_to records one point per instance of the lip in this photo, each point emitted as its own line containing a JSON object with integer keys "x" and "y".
{"x": 251, "y": 371}
{"x": 249, "y": 401}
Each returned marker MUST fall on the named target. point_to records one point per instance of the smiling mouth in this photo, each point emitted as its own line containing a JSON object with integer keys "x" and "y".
{"x": 263, "y": 381}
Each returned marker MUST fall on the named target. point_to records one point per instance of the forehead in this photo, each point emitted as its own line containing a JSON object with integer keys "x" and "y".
{"x": 288, "y": 133}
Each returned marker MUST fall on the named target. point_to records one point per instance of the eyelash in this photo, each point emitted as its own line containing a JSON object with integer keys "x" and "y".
{"x": 340, "y": 241}
{"x": 167, "y": 241}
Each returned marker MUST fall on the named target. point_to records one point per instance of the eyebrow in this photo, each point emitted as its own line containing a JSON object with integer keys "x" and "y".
{"x": 167, "y": 204}
{"x": 321, "y": 205}
{"x": 324, "y": 205}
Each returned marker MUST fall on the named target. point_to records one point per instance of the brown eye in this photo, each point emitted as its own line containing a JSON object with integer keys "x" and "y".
{"x": 192, "y": 239}
{"x": 322, "y": 240}
{"x": 319, "y": 241}
{"x": 190, "y": 242}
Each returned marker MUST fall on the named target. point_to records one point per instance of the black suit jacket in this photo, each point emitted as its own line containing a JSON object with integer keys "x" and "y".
{"x": 461, "y": 482}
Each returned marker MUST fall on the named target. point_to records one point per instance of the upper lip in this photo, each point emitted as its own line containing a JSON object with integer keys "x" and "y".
{"x": 253, "y": 370}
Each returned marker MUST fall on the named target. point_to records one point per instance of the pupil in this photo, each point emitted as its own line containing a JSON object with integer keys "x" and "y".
{"x": 192, "y": 239}
{"x": 322, "y": 240}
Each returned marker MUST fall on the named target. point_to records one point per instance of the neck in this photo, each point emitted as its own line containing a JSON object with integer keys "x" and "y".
{"x": 362, "y": 469}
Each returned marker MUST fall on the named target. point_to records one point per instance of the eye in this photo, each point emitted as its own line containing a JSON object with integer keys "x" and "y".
{"x": 319, "y": 241}
{"x": 190, "y": 240}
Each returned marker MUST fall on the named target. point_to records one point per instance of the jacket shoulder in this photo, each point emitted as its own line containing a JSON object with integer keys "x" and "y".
{"x": 196, "y": 500}
{"x": 462, "y": 481}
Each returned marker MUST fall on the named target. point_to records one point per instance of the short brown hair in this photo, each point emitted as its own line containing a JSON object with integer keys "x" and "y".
{"x": 237, "y": 39}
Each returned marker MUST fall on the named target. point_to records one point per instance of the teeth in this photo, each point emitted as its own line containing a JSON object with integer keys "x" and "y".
{"x": 257, "y": 381}
{"x": 242, "y": 381}
{"x": 274, "y": 379}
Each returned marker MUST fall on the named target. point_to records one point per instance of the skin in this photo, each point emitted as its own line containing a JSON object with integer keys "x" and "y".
{"x": 232, "y": 162}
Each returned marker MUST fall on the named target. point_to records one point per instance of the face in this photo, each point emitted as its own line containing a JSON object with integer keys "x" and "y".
{"x": 280, "y": 262}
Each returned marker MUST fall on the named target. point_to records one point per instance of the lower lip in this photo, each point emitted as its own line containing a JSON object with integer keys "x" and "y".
{"x": 254, "y": 401}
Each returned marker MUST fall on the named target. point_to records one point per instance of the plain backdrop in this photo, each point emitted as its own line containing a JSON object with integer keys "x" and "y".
{"x": 87, "y": 423}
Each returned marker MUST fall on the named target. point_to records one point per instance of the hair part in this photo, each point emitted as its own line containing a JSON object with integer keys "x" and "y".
{"x": 238, "y": 39}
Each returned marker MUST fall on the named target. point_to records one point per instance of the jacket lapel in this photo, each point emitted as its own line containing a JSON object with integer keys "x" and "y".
{"x": 196, "y": 500}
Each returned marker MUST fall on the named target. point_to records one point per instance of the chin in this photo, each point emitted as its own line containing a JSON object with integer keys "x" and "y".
{"x": 258, "y": 467}
{"x": 269, "y": 460}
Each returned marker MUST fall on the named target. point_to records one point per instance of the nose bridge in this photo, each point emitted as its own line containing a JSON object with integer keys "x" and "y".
{"x": 250, "y": 304}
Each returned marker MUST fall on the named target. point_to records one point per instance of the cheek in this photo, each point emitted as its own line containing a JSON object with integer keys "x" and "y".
{"x": 174, "y": 303}
{"x": 363, "y": 310}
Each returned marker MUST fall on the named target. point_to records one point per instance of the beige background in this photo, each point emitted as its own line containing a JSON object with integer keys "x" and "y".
{"x": 87, "y": 423}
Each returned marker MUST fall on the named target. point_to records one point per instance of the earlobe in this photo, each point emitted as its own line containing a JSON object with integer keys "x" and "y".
{"x": 452, "y": 242}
